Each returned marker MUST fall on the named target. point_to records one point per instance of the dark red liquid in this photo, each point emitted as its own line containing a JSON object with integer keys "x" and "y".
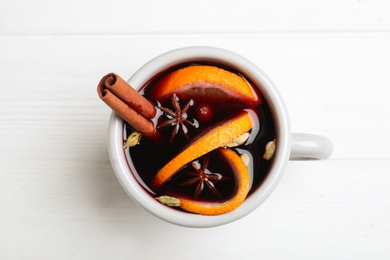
{"x": 150, "y": 156}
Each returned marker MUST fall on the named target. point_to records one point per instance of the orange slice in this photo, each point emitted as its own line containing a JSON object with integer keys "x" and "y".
{"x": 204, "y": 143}
{"x": 206, "y": 83}
{"x": 215, "y": 208}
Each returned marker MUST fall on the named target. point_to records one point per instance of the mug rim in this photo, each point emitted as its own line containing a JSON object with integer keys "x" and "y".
{"x": 282, "y": 125}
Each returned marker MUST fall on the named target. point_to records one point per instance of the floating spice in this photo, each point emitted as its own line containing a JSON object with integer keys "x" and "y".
{"x": 169, "y": 201}
{"x": 239, "y": 140}
{"x": 270, "y": 148}
{"x": 203, "y": 178}
{"x": 245, "y": 158}
{"x": 177, "y": 117}
{"x": 133, "y": 139}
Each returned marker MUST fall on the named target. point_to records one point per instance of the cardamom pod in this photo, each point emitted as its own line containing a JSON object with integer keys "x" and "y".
{"x": 133, "y": 139}
{"x": 169, "y": 201}
{"x": 239, "y": 140}
{"x": 270, "y": 148}
{"x": 245, "y": 158}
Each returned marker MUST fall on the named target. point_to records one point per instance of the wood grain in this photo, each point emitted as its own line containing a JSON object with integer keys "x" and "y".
{"x": 59, "y": 198}
{"x": 174, "y": 16}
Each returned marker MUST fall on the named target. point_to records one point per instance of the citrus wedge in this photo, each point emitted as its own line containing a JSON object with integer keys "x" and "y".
{"x": 204, "y": 143}
{"x": 206, "y": 83}
{"x": 242, "y": 179}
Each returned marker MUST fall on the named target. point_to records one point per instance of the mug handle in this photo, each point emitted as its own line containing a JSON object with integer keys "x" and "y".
{"x": 309, "y": 146}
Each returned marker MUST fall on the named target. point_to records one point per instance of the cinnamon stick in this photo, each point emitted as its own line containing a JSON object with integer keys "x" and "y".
{"x": 127, "y": 103}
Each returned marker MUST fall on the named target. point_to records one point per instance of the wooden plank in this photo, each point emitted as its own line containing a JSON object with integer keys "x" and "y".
{"x": 174, "y": 16}
{"x": 49, "y": 101}
{"x": 78, "y": 206}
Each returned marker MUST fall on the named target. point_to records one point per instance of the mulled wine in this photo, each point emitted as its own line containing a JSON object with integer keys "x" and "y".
{"x": 184, "y": 116}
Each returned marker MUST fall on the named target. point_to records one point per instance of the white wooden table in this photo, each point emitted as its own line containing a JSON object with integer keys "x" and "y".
{"x": 59, "y": 198}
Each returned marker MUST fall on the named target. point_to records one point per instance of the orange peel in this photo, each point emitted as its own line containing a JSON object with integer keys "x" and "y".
{"x": 208, "y": 83}
{"x": 242, "y": 179}
{"x": 204, "y": 143}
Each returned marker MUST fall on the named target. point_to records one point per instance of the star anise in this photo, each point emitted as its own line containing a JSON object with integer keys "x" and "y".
{"x": 203, "y": 177}
{"x": 177, "y": 118}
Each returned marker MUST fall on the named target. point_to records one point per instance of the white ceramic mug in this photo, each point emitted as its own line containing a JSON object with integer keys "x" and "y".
{"x": 289, "y": 146}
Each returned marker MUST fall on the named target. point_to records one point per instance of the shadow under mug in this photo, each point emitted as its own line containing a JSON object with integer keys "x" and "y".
{"x": 289, "y": 145}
